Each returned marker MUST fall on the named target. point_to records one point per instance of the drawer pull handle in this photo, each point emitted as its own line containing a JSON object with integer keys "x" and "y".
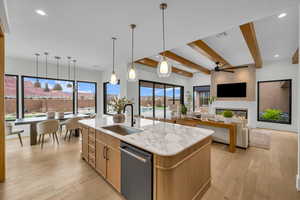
{"x": 135, "y": 156}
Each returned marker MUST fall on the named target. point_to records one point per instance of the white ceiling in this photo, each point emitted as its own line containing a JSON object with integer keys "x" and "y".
{"x": 83, "y": 29}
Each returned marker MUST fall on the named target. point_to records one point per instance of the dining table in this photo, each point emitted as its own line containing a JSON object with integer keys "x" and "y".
{"x": 32, "y": 121}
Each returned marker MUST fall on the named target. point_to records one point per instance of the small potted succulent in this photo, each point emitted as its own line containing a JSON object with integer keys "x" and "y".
{"x": 118, "y": 105}
{"x": 227, "y": 114}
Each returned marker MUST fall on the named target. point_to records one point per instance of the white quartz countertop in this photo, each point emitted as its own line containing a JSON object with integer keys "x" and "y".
{"x": 161, "y": 138}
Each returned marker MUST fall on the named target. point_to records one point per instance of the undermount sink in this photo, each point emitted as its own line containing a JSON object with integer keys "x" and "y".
{"x": 122, "y": 130}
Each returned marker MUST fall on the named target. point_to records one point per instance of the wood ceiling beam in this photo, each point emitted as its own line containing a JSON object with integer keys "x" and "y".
{"x": 295, "y": 59}
{"x": 249, "y": 34}
{"x": 201, "y": 47}
{"x": 185, "y": 61}
{"x": 153, "y": 63}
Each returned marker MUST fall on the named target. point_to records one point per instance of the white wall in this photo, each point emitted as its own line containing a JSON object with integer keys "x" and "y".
{"x": 270, "y": 71}
{"x": 298, "y": 176}
{"x": 18, "y": 66}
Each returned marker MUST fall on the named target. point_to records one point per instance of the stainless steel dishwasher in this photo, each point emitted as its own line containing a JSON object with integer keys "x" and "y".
{"x": 136, "y": 176}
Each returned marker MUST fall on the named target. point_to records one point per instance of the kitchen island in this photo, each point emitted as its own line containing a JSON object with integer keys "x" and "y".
{"x": 180, "y": 165}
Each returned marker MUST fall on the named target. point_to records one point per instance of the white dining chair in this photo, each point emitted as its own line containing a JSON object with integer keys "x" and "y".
{"x": 49, "y": 127}
{"x": 9, "y": 130}
{"x": 71, "y": 126}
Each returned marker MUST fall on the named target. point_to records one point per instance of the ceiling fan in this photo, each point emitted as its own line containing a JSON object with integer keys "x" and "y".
{"x": 218, "y": 68}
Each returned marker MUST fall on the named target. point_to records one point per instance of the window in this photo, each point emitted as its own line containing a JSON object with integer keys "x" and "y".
{"x": 274, "y": 101}
{"x": 37, "y": 102}
{"x": 86, "y": 97}
{"x": 157, "y": 99}
{"x": 110, "y": 91}
{"x": 201, "y": 96}
{"x": 11, "y": 97}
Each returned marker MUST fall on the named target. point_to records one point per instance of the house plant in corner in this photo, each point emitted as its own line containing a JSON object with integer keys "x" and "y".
{"x": 227, "y": 114}
{"x": 118, "y": 105}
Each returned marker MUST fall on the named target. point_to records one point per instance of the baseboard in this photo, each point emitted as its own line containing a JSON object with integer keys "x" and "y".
{"x": 298, "y": 182}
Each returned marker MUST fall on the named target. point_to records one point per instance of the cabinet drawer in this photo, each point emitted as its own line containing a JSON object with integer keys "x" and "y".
{"x": 100, "y": 136}
{"x": 112, "y": 142}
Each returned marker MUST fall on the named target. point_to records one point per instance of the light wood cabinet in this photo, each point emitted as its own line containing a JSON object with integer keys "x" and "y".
{"x": 101, "y": 158}
{"x": 103, "y": 154}
{"x": 114, "y": 167}
{"x": 85, "y": 137}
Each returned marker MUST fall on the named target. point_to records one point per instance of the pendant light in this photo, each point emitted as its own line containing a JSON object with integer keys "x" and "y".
{"x": 132, "y": 74}
{"x": 164, "y": 69}
{"x": 37, "y": 83}
{"x": 69, "y": 85}
{"x": 46, "y": 89}
{"x": 113, "y": 77}
{"x": 75, "y": 83}
{"x": 57, "y": 86}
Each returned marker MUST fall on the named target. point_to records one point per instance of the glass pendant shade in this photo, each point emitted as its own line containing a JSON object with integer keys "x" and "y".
{"x": 164, "y": 69}
{"x": 46, "y": 89}
{"x": 113, "y": 78}
{"x": 37, "y": 84}
{"x": 132, "y": 73}
{"x": 57, "y": 87}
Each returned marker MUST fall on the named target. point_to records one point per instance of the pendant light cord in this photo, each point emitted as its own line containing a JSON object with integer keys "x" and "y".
{"x": 163, "y": 26}
{"x": 132, "y": 45}
{"x": 57, "y": 66}
{"x": 37, "y": 65}
{"x": 46, "y": 54}
{"x": 114, "y": 53}
{"x": 69, "y": 68}
{"x": 74, "y": 62}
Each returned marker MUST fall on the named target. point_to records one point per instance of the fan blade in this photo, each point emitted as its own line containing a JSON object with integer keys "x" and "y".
{"x": 224, "y": 70}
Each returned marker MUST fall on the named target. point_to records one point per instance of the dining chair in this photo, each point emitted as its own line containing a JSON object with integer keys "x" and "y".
{"x": 49, "y": 127}
{"x": 9, "y": 130}
{"x": 71, "y": 126}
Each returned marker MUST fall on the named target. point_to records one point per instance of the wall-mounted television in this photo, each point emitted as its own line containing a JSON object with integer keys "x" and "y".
{"x": 232, "y": 90}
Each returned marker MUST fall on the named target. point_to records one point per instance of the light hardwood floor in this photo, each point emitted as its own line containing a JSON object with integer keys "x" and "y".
{"x": 58, "y": 172}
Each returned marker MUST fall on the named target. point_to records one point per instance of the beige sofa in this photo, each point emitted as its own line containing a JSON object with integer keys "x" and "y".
{"x": 222, "y": 135}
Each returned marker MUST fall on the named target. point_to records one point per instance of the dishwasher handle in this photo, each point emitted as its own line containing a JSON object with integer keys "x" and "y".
{"x": 134, "y": 155}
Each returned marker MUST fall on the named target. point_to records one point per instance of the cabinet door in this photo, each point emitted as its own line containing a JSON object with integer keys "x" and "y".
{"x": 114, "y": 167}
{"x": 100, "y": 158}
{"x": 85, "y": 143}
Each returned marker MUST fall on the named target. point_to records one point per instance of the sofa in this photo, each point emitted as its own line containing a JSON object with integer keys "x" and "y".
{"x": 222, "y": 135}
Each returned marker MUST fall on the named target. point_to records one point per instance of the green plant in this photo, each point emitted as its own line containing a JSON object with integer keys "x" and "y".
{"x": 183, "y": 109}
{"x": 272, "y": 114}
{"x": 211, "y": 99}
{"x": 227, "y": 114}
{"x": 118, "y": 104}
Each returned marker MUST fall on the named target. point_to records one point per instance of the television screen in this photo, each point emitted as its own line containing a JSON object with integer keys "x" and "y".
{"x": 232, "y": 90}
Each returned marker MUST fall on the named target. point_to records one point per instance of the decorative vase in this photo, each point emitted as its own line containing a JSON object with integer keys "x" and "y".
{"x": 210, "y": 109}
{"x": 227, "y": 120}
{"x": 119, "y": 118}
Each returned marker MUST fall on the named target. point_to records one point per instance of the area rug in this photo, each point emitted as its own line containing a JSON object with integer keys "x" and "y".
{"x": 260, "y": 138}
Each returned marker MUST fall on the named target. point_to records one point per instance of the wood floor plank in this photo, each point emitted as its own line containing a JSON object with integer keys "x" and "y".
{"x": 58, "y": 173}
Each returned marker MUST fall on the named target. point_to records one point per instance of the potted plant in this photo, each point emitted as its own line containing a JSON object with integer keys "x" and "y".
{"x": 118, "y": 105}
{"x": 183, "y": 110}
{"x": 227, "y": 114}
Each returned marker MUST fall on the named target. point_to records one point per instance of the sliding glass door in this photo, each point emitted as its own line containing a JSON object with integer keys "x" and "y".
{"x": 157, "y": 100}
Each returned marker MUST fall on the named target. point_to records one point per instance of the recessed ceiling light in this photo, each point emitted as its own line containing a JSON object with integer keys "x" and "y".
{"x": 41, "y": 12}
{"x": 276, "y": 55}
{"x": 282, "y": 15}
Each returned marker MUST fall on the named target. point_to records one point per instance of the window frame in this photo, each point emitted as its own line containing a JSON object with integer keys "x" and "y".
{"x": 153, "y": 95}
{"x": 290, "y": 101}
{"x": 22, "y": 90}
{"x": 194, "y": 88}
{"x": 17, "y": 95}
{"x": 91, "y": 82}
{"x": 104, "y": 97}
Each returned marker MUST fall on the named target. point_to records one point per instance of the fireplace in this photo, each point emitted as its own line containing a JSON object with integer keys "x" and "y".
{"x": 236, "y": 112}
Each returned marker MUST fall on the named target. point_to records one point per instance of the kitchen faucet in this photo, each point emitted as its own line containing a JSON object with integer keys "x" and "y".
{"x": 131, "y": 105}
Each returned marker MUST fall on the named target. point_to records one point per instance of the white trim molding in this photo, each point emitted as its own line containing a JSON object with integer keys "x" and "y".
{"x": 4, "y": 22}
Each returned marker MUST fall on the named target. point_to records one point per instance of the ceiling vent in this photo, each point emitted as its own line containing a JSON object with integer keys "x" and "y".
{"x": 221, "y": 35}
